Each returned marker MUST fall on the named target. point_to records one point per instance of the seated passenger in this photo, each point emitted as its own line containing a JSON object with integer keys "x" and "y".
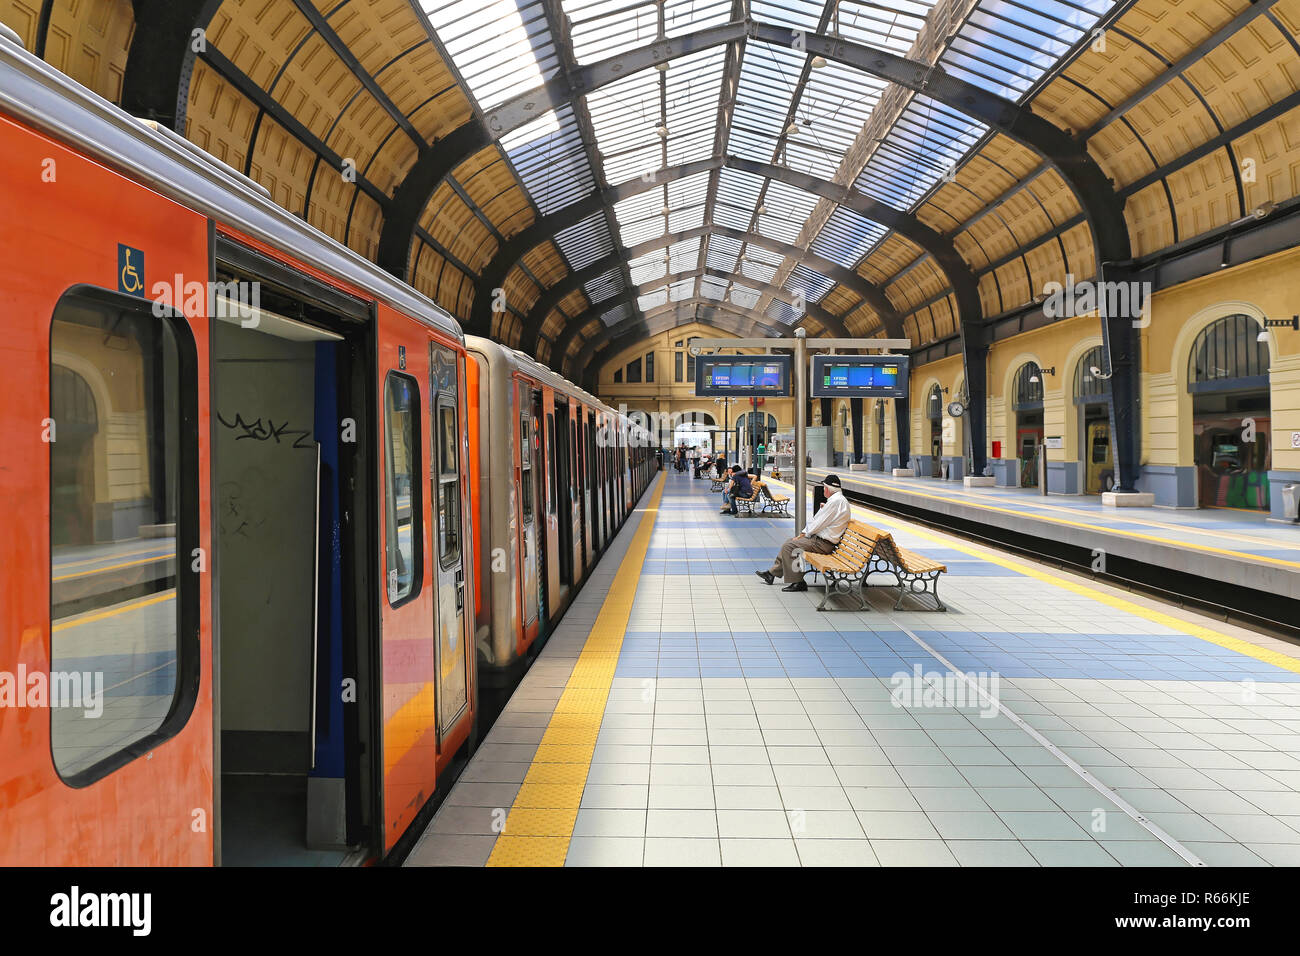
{"x": 820, "y": 536}
{"x": 737, "y": 487}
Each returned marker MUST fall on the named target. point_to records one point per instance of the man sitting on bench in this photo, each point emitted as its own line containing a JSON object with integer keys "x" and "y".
{"x": 820, "y": 536}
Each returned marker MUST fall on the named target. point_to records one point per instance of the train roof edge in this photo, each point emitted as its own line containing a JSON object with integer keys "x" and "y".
{"x": 37, "y": 94}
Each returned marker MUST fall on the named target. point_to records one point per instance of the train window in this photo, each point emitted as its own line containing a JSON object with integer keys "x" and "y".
{"x": 448, "y": 486}
{"x": 526, "y": 474}
{"x": 402, "y": 496}
{"x": 120, "y": 484}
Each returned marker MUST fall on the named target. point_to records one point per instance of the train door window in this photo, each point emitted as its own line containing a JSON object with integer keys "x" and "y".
{"x": 550, "y": 459}
{"x": 526, "y": 468}
{"x": 402, "y": 495}
{"x": 448, "y": 481}
{"x": 122, "y": 472}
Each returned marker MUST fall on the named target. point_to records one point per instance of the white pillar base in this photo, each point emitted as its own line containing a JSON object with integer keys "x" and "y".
{"x": 904, "y": 473}
{"x": 859, "y": 466}
{"x": 1128, "y": 499}
{"x": 978, "y": 481}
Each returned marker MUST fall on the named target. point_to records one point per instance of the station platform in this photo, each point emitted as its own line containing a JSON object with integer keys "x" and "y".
{"x": 684, "y": 713}
{"x": 1225, "y": 546}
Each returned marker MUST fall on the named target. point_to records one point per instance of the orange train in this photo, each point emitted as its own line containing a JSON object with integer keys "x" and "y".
{"x": 256, "y": 500}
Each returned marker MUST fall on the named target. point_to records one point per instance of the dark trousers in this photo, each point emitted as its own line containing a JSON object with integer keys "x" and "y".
{"x": 783, "y": 564}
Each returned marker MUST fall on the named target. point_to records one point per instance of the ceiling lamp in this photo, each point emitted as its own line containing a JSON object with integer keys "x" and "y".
{"x": 762, "y": 209}
{"x": 662, "y": 131}
{"x": 664, "y": 211}
{"x": 792, "y": 129}
{"x": 818, "y": 62}
{"x": 661, "y": 67}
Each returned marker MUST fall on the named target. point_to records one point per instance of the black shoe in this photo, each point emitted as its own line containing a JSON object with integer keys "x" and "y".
{"x": 767, "y": 576}
{"x": 797, "y": 586}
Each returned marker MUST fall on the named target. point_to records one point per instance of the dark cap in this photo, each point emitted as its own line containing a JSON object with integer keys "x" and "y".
{"x": 831, "y": 480}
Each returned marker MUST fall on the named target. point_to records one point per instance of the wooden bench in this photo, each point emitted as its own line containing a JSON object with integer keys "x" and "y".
{"x": 846, "y": 568}
{"x": 716, "y": 483}
{"x": 914, "y": 573}
{"x": 865, "y": 550}
{"x": 774, "y": 504}
{"x": 746, "y": 505}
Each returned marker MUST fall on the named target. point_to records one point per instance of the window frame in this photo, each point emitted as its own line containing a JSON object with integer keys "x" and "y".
{"x": 417, "y": 492}
{"x": 188, "y": 526}
{"x": 447, "y": 402}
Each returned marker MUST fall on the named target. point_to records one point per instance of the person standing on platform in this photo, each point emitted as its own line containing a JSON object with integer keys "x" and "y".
{"x": 820, "y": 536}
{"x": 761, "y": 453}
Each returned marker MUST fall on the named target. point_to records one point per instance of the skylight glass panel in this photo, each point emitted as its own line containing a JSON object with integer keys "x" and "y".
{"x": 783, "y": 312}
{"x": 836, "y": 104}
{"x": 624, "y": 116}
{"x": 769, "y": 77}
{"x": 640, "y": 217}
{"x": 737, "y": 195}
{"x": 684, "y": 255}
{"x": 1006, "y": 48}
{"x": 585, "y": 242}
{"x": 617, "y": 314}
{"x": 549, "y": 156}
{"x": 604, "y": 286}
{"x": 799, "y": 14}
{"x": 681, "y": 289}
{"x": 846, "y": 237}
{"x": 893, "y": 26}
{"x": 810, "y": 283}
{"x": 759, "y": 263}
{"x": 501, "y": 48}
{"x": 927, "y": 141}
{"x": 722, "y": 253}
{"x": 687, "y": 16}
{"x": 744, "y": 296}
{"x": 787, "y": 211}
{"x": 692, "y": 88}
{"x": 652, "y": 300}
{"x": 603, "y": 28}
{"x": 711, "y": 287}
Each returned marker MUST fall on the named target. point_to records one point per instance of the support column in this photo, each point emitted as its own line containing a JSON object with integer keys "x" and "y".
{"x": 1120, "y": 339}
{"x": 903, "y": 431}
{"x": 855, "y": 413}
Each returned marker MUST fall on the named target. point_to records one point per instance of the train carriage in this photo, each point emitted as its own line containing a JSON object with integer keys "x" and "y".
{"x": 238, "y": 526}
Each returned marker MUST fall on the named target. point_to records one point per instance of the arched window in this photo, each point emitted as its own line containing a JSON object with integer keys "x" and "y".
{"x": 1227, "y": 357}
{"x": 1028, "y": 394}
{"x": 1088, "y": 388}
{"x": 934, "y": 406}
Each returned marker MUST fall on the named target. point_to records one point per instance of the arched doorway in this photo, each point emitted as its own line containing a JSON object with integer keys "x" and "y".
{"x": 754, "y": 429}
{"x": 934, "y": 414}
{"x": 72, "y": 459}
{"x": 696, "y": 430}
{"x": 1092, "y": 402}
{"x": 1027, "y": 405}
{"x": 1227, "y": 376}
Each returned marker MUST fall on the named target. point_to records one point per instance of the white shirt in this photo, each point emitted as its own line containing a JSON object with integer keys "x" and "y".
{"x": 832, "y": 520}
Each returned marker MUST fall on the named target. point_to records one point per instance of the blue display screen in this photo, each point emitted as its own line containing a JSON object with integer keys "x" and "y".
{"x": 746, "y": 376}
{"x": 861, "y": 376}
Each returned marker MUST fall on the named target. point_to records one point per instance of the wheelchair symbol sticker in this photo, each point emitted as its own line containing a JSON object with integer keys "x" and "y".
{"x": 130, "y": 270}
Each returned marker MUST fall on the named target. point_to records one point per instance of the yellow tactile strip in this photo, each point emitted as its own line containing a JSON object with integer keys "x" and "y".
{"x": 1264, "y": 654}
{"x": 540, "y": 823}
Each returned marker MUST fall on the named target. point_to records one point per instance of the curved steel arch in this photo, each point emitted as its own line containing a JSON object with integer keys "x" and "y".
{"x": 832, "y": 322}
{"x": 665, "y": 319}
{"x": 869, "y": 292}
{"x": 961, "y": 277}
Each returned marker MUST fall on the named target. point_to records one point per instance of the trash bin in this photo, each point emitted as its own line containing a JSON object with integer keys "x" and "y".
{"x": 1291, "y": 502}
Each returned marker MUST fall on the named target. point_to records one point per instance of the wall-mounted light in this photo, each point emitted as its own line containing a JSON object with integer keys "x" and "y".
{"x": 1047, "y": 371}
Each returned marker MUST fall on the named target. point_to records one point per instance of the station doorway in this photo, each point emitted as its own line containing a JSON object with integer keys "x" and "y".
{"x": 1027, "y": 406}
{"x": 1231, "y": 414}
{"x": 1092, "y": 404}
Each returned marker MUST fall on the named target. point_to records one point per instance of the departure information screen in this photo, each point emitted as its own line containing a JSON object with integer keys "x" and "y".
{"x": 743, "y": 375}
{"x": 860, "y": 376}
